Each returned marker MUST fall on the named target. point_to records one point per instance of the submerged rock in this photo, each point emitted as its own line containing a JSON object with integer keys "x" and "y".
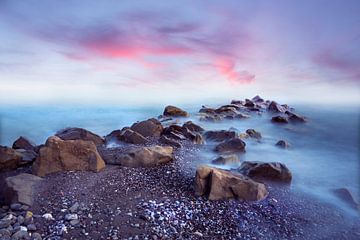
{"x": 271, "y": 171}
{"x": 144, "y": 157}
{"x": 9, "y": 158}
{"x": 282, "y": 144}
{"x": 275, "y": 107}
{"x": 79, "y": 134}
{"x": 220, "y": 135}
{"x": 174, "y": 112}
{"x": 193, "y": 127}
{"x": 220, "y": 184}
{"x": 148, "y": 128}
{"x": 293, "y": 117}
{"x": 347, "y": 197}
{"x": 227, "y": 160}
{"x": 23, "y": 143}
{"x": 231, "y": 145}
{"x": 71, "y": 155}
{"x": 253, "y": 134}
{"x": 279, "y": 119}
{"x": 21, "y": 188}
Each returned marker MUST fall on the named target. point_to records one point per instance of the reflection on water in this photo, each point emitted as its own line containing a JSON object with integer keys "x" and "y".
{"x": 324, "y": 152}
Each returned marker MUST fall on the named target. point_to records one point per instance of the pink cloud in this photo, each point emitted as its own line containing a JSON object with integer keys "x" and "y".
{"x": 227, "y": 68}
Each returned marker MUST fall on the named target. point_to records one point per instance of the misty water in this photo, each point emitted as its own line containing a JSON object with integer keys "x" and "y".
{"x": 324, "y": 152}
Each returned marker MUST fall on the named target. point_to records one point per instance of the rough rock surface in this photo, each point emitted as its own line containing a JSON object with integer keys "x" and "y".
{"x": 231, "y": 145}
{"x": 174, "y": 112}
{"x": 193, "y": 127}
{"x": 9, "y": 158}
{"x": 23, "y": 143}
{"x": 148, "y": 128}
{"x": 279, "y": 119}
{"x": 71, "y": 155}
{"x": 128, "y": 136}
{"x": 222, "y": 184}
{"x": 271, "y": 171}
{"x": 79, "y": 134}
{"x": 282, "y": 144}
{"x": 227, "y": 159}
{"x": 21, "y": 188}
{"x": 253, "y": 134}
{"x": 220, "y": 135}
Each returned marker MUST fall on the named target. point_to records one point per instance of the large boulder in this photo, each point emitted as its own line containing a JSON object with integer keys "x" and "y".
{"x": 27, "y": 156}
{"x": 275, "y": 107}
{"x": 193, "y": 127}
{"x": 79, "y": 134}
{"x": 148, "y": 128}
{"x": 271, "y": 171}
{"x": 144, "y": 157}
{"x": 21, "y": 188}
{"x": 230, "y": 146}
{"x": 293, "y": 117}
{"x": 9, "y": 158}
{"x": 126, "y": 135}
{"x": 230, "y": 159}
{"x": 220, "y": 135}
{"x": 71, "y": 155}
{"x": 222, "y": 184}
{"x": 169, "y": 142}
{"x": 23, "y": 143}
{"x": 174, "y": 112}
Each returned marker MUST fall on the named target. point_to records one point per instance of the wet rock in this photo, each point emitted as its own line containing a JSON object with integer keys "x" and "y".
{"x": 275, "y": 107}
{"x": 23, "y": 143}
{"x": 271, "y": 171}
{"x": 249, "y": 103}
{"x": 174, "y": 112}
{"x": 222, "y": 184}
{"x": 9, "y": 158}
{"x": 79, "y": 134}
{"x": 293, "y": 117}
{"x": 170, "y": 142}
{"x": 21, "y": 188}
{"x": 279, "y": 119}
{"x": 257, "y": 99}
{"x": 237, "y": 102}
{"x": 193, "y": 127}
{"x": 253, "y": 134}
{"x": 210, "y": 118}
{"x": 227, "y": 110}
{"x": 131, "y": 136}
{"x": 282, "y": 144}
{"x": 227, "y": 160}
{"x": 231, "y": 145}
{"x": 220, "y": 135}
{"x": 347, "y": 197}
{"x": 144, "y": 157}
{"x": 71, "y": 155}
{"x": 148, "y": 128}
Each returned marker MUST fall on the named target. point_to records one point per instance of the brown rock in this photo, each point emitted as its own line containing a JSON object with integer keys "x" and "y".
{"x": 231, "y": 145}
{"x": 23, "y": 143}
{"x": 21, "y": 188}
{"x": 169, "y": 142}
{"x": 129, "y": 136}
{"x": 220, "y": 135}
{"x": 207, "y": 110}
{"x": 227, "y": 160}
{"x": 193, "y": 127}
{"x": 175, "y": 112}
{"x": 275, "y": 107}
{"x": 9, "y": 158}
{"x": 279, "y": 119}
{"x": 72, "y": 155}
{"x": 144, "y": 157}
{"x": 272, "y": 171}
{"x": 27, "y": 156}
{"x": 79, "y": 134}
{"x": 221, "y": 184}
{"x": 148, "y": 128}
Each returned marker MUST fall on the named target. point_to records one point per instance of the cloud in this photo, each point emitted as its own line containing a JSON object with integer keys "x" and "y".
{"x": 227, "y": 68}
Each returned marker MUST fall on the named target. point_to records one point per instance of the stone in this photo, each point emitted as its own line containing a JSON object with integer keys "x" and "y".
{"x": 237, "y": 102}
{"x": 174, "y": 112}
{"x": 220, "y": 184}
{"x": 257, "y": 99}
{"x": 253, "y": 134}
{"x": 347, "y": 197}
{"x": 249, "y": 103}
{"x": 266, "y": 171}
{"x": 4, "y": 223}
{"x": 5, "y": 233}
{"x": 193, "y": 127}
{"x": 31, "y": 227}
{"x": 74, "y": 207}
{"x": 148, "y": 128}
{"x": 75, "y": 222}
{"x": 71, "y": 155}
{"x": 48, "y": 216}
{"x": 36, "y": 236}
{"x": 293, "y": 117}
{"x": 231, "y": 145}
{"x": 71, "y": 216}
{"x": 275, "y": 107}
{"x": 23, "y": 143}
{"x": 15, "y": 206}
{"x": 27, "y": 156}
{"x": 21, "y": 234}
{"x": 79, "y": 134}
{"x": 144, "y": 157}
{"x": 169, "y": 142}
{"x": 279, "y": 119}
{"x": 220, "y": 135}
{"x": 227, "y": 160}
{"x": 21, "y": 188}
{"x": 282, "y": 144}
{"x": 9, "y": 158}
{"x": 130, "y": 136}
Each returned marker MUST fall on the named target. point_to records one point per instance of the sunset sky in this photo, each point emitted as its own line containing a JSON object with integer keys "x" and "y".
{"x": 178, "y": 51}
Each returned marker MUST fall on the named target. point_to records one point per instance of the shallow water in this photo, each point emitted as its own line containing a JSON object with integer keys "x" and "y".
{"x": 324, "y": 152}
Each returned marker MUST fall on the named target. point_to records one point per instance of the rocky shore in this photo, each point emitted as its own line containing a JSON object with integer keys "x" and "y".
{"x": 142, "y": 182}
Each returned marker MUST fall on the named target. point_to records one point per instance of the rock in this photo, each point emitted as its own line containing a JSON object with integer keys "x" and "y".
{"x": 195, "y": 138}
{"x": 148, "y": 128}
{"x": 222, "y": 184}
{"x": 27, "y": 156}
{"x": 4, "y": 233}
{"x": 242, "y": 116}
{"x": 74, "y": 207}
{"x": 220, "y": 135}
{"x": 193, "y": 127}
{"x": 227, "y": 160}
{"x": 9, "y": 158}
{"x": 231, "y": 145}
{"x": 130, "y": 136}
{"x": 282, "y": 144}
{"x": 253, "y": 134}
{"x": 79, "y": 134}
{"x": 21, "y": 234}
{"x": 237, "y": 102}
{"x": 279, "y": 119}
{"x": 15, "y": 206}
{"x": 257, "y": 99}
{"x": 144, "y": 157}
{"x": 271, "y": 171}
{"x": 346, "y": 196}
{"x": 207, "y": 110}
{"x": 169, "y": 142}
{"x": 48, "y": 216}
{"x": 23, "y": 143}
{"x": 74, "y": 222}
{"x": 249, "y": 103}
{"x": 210, "y": 118}
{"x": 31, "y": 227}
{"x": 174, "y": 112}
{"x": 227, "y": 110}
{"x": 70, "y": 216}
{"x": 21, "y": 188}
{"x": 293, "y": 117}
{"x": 4, "y": 223}
{"x": 71, "y": 155}
{"x": 36, "y": 236}
{"x": 275, "y": 107}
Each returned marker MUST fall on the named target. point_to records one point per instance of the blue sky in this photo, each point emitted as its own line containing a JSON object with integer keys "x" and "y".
{"x": 178, "y": 51}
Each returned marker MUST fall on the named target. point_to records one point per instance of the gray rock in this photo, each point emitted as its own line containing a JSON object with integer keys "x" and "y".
{"x": 5, "y": 233}
{"x": 36, "y": 236}
{"x": 74, "y": 222}
{"x": 20, "y": 219}
{"x": 4, "y": 223}
{"x": 31, "y": 227}
{"x": 74, "y": 207}
{"x": 21, "y": 234}
{"x": 69, "y": 217}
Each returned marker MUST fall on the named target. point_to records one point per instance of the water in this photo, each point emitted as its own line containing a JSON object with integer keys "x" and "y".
{"x": 324, "y": 152}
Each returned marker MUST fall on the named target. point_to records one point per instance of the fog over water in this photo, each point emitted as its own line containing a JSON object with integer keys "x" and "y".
{"x": 324, "y": 152}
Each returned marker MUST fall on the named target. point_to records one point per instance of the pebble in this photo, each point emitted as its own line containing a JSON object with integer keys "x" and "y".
{"x": 74, "y": 222}
{"x": 36, "y": 236}
{"x": 31, "y": 227}
{"x": 16, "y": 206}
{"x": 74, "y": 207}
{"x": 48, "y": 216}
{"x": 69, "y": 217}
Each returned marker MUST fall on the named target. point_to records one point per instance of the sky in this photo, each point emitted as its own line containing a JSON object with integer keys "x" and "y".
{"x": 147, "y": 52}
